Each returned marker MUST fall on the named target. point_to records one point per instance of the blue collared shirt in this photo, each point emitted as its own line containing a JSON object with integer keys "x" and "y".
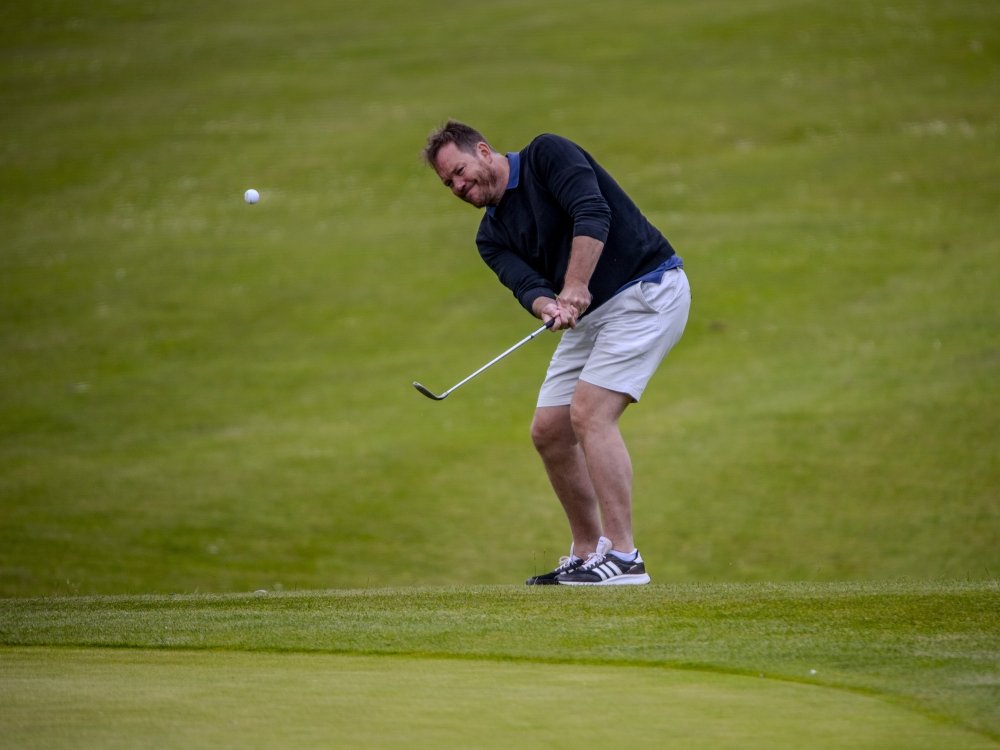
{"x": 656, "y": 275}
{"x": 514, "y": 160}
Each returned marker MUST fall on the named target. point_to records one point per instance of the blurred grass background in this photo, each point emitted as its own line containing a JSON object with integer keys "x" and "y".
{"x": 200, "y": 395}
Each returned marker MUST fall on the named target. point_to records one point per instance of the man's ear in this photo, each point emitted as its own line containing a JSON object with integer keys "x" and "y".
{"x": 484, "y": 150}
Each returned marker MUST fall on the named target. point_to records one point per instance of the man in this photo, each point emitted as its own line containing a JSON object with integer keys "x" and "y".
{"x": 574, "y": 249}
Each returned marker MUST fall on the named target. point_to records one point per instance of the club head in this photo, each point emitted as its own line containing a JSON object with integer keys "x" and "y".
{"x": 426, "y": 391}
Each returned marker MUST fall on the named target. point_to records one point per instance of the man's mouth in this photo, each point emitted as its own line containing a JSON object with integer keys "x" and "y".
{"x": 467, "y": 195}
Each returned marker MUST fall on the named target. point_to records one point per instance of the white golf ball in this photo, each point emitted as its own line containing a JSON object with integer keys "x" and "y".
{"x": 251, "y": 196}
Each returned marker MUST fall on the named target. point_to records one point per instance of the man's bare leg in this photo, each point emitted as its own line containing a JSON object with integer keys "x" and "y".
{"x": 594, "y": 414}
{"x": 556, "y": 442}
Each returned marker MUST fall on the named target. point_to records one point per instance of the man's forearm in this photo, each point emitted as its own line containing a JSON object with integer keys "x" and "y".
{"x": 585, "y": 253}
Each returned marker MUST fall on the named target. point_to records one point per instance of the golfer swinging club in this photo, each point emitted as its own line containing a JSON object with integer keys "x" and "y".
{"x": 561, "y": 234}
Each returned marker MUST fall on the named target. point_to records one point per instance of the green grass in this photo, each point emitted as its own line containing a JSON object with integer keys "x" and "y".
{"x": 184, "y": 700}
{"x": 844, "y": 665}
{"x": 200, "y": 395}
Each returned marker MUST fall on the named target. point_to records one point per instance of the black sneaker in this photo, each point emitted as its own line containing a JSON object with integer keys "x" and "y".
{"x": 566, "y": 565}
{"x": 604, "y": 569}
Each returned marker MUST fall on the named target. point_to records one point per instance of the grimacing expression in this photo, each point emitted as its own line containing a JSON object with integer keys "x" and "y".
{"x": 472, "y": 177}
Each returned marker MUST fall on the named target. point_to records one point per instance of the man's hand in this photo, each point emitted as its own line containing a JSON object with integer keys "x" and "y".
{"x": 548, "y": 309}
{"x": 573, "y": 302}
{"x": 575, "y": 298}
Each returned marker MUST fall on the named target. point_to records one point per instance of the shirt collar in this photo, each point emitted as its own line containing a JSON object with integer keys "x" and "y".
{"x": 513, "y": 179}
{"x": 514, "y": 160}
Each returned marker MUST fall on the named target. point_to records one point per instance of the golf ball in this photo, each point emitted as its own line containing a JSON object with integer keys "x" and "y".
{"x": 251, "y": 196}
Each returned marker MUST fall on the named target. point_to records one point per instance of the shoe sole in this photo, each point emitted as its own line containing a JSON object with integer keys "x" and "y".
{"x": 623, "y": 580}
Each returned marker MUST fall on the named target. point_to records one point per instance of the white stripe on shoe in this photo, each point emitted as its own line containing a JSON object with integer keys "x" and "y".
{"x": 608, "y": 570}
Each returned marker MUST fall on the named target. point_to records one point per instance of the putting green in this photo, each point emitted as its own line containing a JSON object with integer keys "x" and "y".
{"x": 90, "y": 698}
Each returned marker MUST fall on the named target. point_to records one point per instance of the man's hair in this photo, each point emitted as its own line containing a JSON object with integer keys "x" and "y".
{"x": 463, "y": 136}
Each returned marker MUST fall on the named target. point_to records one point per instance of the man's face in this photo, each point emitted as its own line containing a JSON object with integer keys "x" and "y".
{"x": 472, "y": 177}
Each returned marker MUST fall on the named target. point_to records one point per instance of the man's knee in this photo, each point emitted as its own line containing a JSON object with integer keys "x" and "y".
{"x": 595, "y": 409}
{"x": 584, "y": 419}
{"x": 551, "y": 429}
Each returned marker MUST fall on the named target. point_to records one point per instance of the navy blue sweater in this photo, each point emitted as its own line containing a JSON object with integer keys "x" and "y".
{"x": 562, "y": 192}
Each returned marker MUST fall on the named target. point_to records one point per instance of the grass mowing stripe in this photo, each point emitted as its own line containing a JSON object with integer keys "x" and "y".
{"x": 109, "y": 699}
{"x": 931, "y": 646}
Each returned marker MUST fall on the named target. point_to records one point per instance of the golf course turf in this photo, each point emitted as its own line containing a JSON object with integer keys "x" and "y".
{"x": 859, "y": 665}
{"x": 201, "y": 398}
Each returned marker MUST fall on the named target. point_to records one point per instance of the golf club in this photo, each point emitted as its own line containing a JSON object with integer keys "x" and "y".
{"x": 427, "y": 392}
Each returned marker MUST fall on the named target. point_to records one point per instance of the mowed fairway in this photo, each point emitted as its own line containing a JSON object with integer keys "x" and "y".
{"x": 200, "y": 399}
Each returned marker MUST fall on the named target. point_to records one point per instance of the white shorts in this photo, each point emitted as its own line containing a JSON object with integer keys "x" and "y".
{"x": 620, "y": 345}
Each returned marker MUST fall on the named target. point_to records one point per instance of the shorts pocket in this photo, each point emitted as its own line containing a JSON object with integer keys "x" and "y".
{"x": 655, "y": 298}
{"x": 661, "y": 298}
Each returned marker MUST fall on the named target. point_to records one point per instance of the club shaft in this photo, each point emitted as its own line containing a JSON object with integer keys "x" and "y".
{"x": 496, "y": 359}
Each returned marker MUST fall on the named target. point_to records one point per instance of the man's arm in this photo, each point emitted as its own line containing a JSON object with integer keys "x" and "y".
{"x": 526, "y": 284}
{"x": 565, "y": 170}
{"x": 575, "y": 297}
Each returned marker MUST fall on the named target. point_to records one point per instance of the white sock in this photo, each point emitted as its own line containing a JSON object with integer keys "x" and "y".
{"x": 625, "y": 556}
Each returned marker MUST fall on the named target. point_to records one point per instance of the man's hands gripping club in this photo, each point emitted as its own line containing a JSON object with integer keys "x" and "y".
{"x": 574, "y": 299}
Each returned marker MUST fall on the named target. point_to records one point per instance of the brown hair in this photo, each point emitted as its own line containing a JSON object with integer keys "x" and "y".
{"x": 463, "y": 136}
